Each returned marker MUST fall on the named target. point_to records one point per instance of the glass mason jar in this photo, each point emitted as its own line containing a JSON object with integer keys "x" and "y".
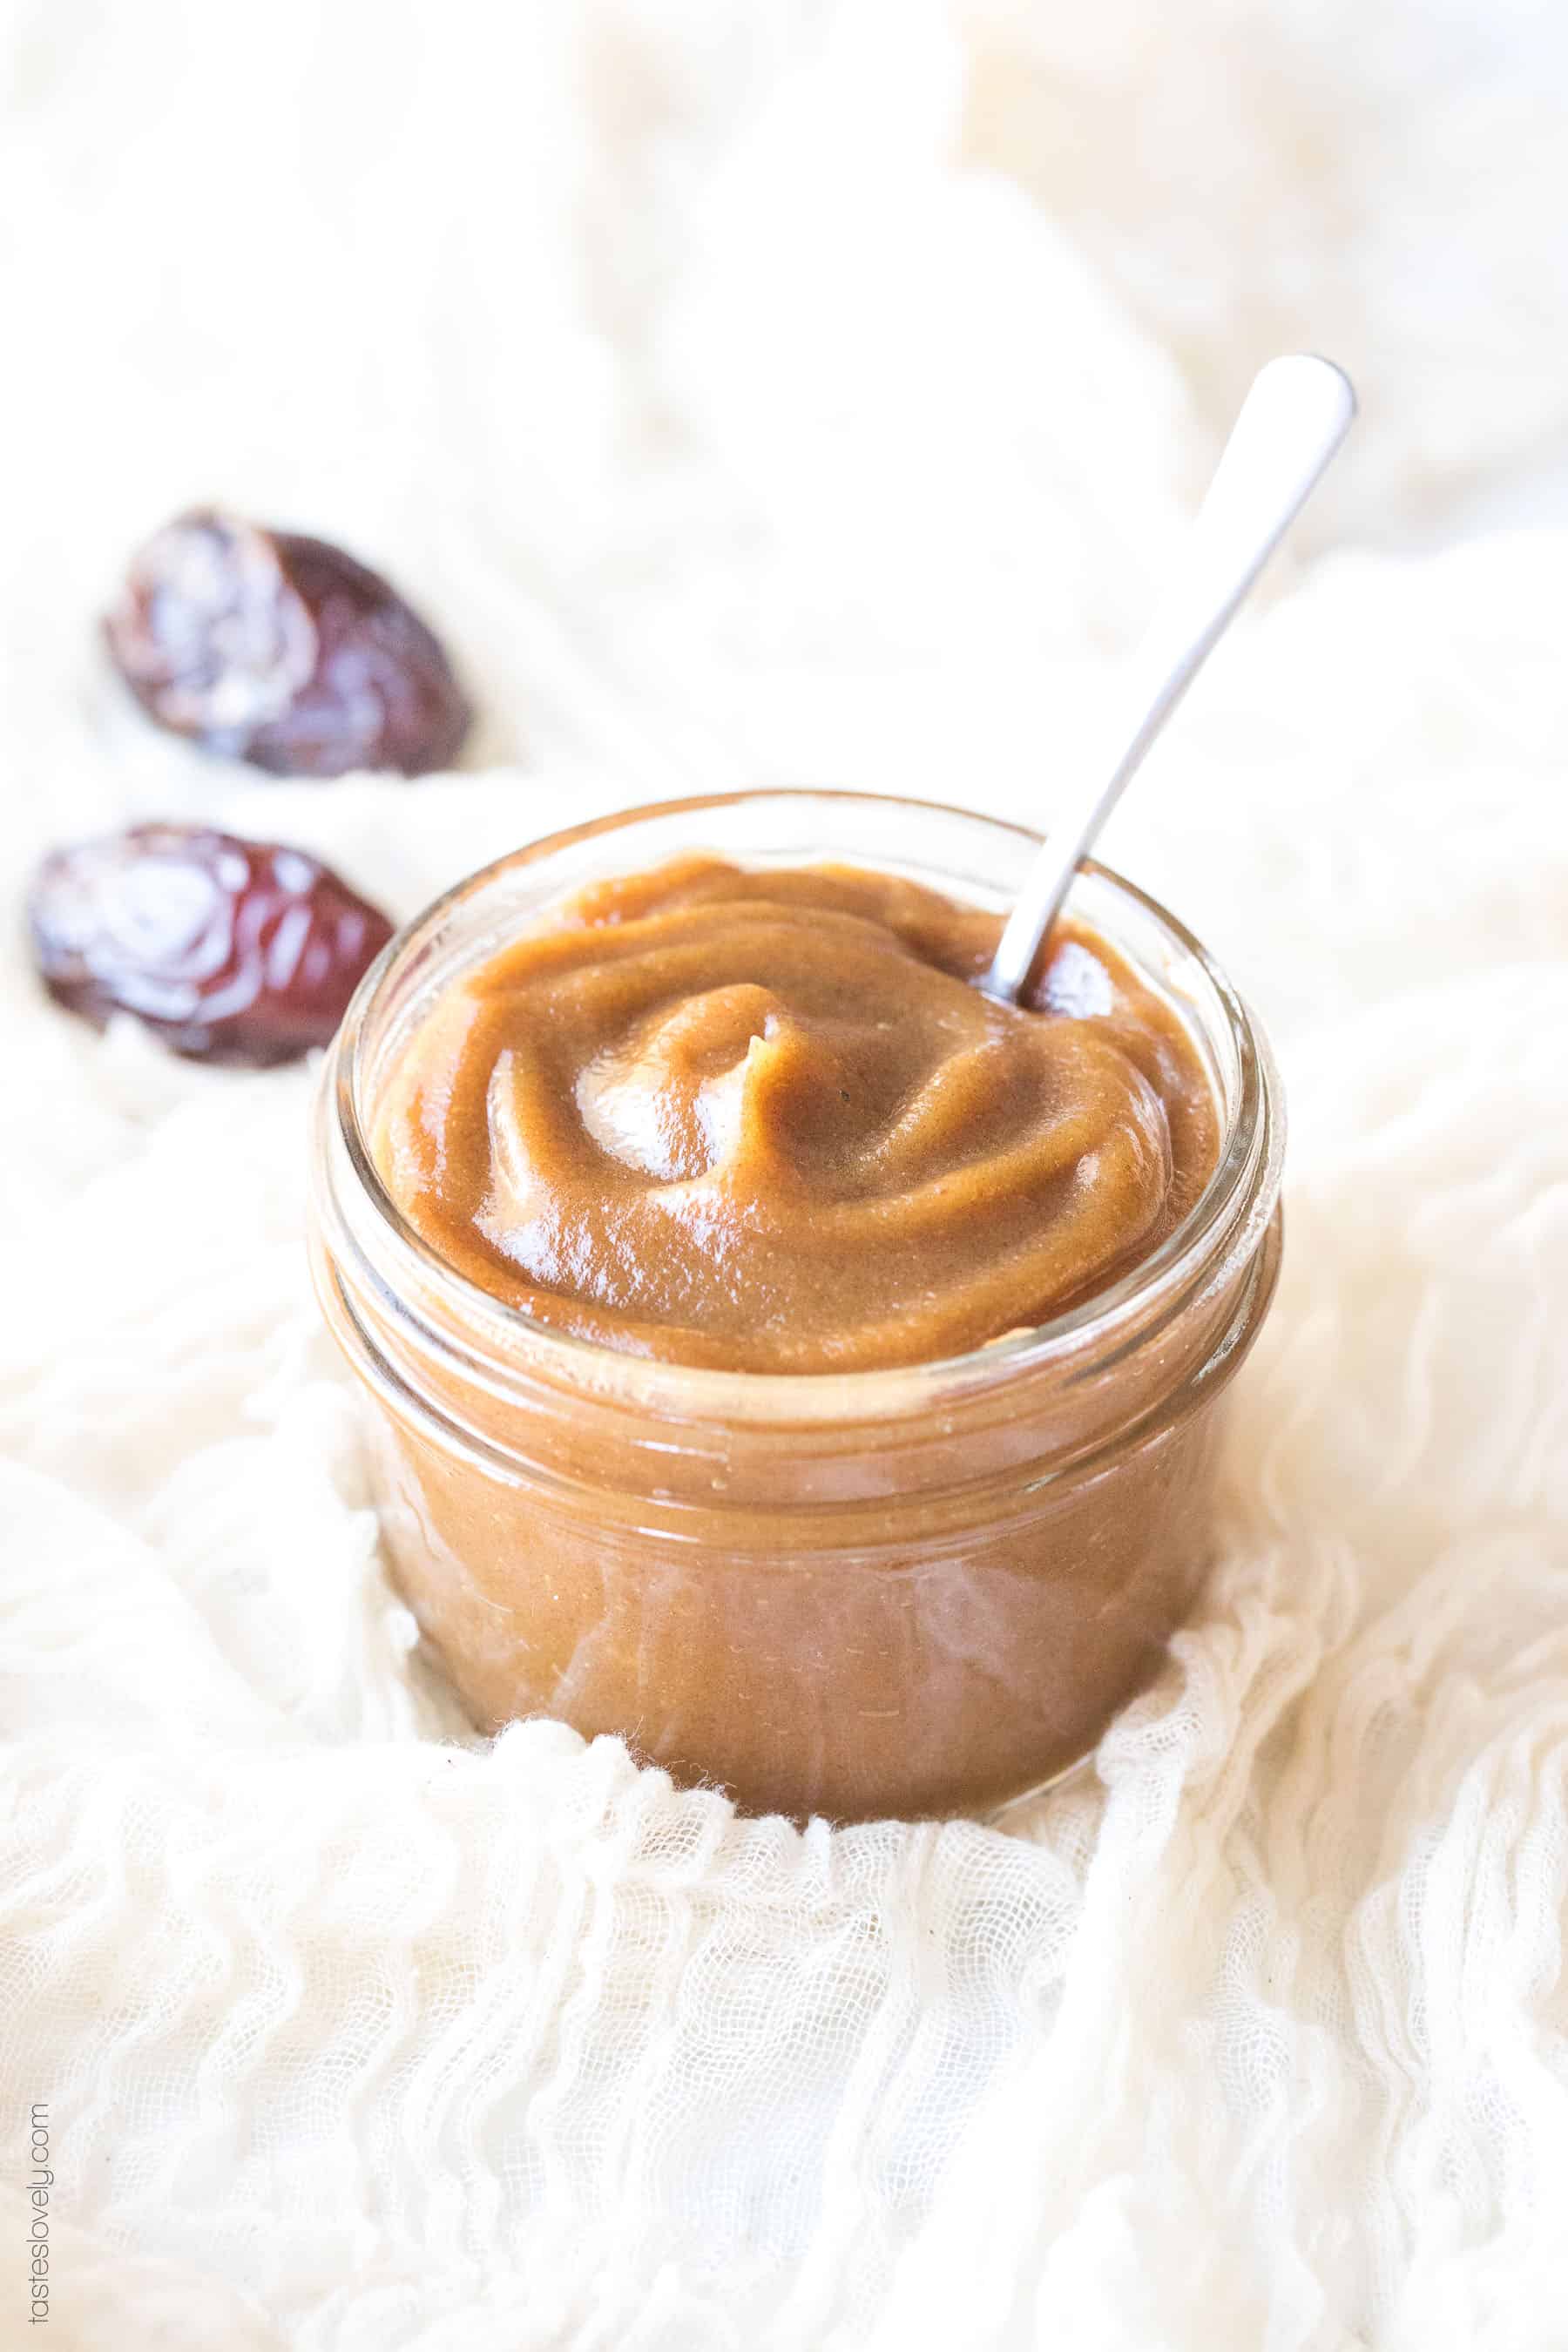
{"x": 921, "y": 1591}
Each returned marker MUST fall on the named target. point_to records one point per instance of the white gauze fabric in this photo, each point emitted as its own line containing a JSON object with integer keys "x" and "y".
{"x": 810, "y": 393}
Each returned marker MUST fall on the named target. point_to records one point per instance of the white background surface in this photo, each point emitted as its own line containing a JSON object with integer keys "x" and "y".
{"x": 806, "y": 392}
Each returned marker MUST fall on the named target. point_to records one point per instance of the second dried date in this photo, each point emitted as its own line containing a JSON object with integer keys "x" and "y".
{"x": 230, "y": 951}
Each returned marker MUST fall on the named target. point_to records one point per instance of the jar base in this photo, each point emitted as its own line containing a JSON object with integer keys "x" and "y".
{"x": 1005, "y": 1816}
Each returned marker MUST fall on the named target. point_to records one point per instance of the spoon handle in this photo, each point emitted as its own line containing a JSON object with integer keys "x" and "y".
{"x": 1295, "y": 416}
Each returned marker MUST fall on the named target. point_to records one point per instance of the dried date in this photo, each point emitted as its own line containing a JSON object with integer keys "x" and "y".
{"x": 231, "y": 950}
{"x": 282, "y": 651}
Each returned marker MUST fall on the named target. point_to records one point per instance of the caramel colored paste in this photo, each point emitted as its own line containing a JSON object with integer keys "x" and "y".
{"x": 764, "y": 1120}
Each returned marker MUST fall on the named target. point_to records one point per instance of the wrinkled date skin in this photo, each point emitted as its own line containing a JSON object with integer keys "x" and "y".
{"x": 231, "y": 950}
{"x": 282, "y": 651}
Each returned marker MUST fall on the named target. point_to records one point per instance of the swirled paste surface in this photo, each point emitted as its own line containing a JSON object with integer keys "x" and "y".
{"x": 764, "y": 1120}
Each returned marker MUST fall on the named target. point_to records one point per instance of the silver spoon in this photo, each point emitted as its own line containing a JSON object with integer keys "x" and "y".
{"x": 1291, "y": 421}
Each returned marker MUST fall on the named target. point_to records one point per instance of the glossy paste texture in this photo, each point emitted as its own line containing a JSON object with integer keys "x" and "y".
{"x": 764, "y": 1120}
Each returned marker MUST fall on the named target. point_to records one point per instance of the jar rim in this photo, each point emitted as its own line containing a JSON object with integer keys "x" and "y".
{"x": 1234, "y": 1204}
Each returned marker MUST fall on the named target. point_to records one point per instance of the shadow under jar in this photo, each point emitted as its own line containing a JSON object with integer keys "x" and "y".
{"x": 922, "y": 1591}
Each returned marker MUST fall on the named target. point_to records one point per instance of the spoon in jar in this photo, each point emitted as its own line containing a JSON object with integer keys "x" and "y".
{"x": 1295, "y": 416}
